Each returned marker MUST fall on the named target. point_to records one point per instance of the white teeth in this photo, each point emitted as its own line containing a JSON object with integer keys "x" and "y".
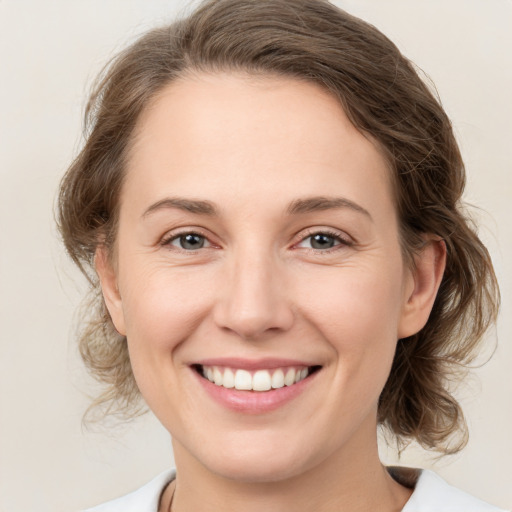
{"x": 229, "y": 379}
{"x": 261, "y": 380}
{"x": 217, "y": 377}
{"x": 243, "y": 380}
{"x": 278, "y": 379}
{"x": 289, "y": 378}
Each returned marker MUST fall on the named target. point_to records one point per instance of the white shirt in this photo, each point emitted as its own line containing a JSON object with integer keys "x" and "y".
{"x": 431, "y": 494}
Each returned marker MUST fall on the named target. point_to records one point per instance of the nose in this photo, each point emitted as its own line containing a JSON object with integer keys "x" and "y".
{"x": 253, "y": 302}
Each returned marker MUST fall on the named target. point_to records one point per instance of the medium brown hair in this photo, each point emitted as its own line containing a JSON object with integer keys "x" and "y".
{"x": 384, "y": 98}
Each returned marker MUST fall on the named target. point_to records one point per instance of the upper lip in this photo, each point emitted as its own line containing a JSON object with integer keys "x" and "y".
{"x": 267, "y": 363}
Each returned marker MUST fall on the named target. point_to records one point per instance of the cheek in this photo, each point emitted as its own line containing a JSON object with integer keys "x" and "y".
{"x": 354, "y": 302}
{"x": 163, "y": 305}
{"x": 357, "y": 312}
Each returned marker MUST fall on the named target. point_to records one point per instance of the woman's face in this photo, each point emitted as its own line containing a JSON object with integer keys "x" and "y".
{"x": 258, "y": 245}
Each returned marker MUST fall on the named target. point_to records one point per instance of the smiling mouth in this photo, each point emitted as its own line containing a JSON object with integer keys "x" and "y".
{"x": 259, "y": 380}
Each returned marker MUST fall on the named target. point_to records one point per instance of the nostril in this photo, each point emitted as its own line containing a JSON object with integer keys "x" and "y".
{"x": 253, "y": 309}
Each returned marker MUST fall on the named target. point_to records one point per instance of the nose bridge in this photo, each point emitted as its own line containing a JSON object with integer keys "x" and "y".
{"x": 254, "y": 299}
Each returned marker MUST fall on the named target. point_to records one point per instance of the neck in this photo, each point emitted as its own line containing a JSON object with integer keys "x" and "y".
{"x": 349, "y": 480}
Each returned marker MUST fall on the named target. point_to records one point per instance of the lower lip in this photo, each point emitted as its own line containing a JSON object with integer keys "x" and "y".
{"x": 254, "y": 402}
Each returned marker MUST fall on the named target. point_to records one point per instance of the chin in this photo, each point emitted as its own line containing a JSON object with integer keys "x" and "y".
{"x": 260, "y": 470}
{"x": 257, "y": 461}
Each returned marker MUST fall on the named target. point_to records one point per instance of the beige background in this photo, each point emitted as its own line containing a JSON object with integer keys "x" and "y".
{"x": 49, "y": 52}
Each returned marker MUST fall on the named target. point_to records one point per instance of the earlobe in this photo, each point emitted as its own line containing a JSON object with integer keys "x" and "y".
{"x": 109, "y": 288}
{"x": 426, "y": 277}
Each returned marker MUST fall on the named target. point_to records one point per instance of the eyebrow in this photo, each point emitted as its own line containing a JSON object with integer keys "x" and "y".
{"x": 198, "y": 207}
{"x": 319, "y": 203}
{"x": 296, "y": 207}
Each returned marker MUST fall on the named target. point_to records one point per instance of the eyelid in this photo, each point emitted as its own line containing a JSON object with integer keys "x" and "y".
{"x": 344, "y": 239}
{"x": 170, "y": 236}
{"x": 206, "y": 245}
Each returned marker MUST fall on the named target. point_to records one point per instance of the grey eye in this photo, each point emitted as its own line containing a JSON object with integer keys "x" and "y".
{"x": 322, "y": 241}
{"x": 189, "y": 241}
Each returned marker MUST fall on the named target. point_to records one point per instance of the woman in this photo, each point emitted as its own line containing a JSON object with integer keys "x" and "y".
{"x": 269, "y": 197}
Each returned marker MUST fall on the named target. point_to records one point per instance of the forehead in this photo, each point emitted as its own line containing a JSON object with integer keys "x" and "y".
{"x": 247, "y": 132}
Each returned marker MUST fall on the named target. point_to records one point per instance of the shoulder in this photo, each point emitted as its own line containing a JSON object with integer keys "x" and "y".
{"x": 433, "y": 494}
{"x": 145, "y": 499}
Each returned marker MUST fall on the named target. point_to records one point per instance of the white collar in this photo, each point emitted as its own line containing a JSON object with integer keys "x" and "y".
{"x": 431, "y": 494}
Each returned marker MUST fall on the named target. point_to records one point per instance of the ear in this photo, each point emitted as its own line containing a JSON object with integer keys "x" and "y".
{"x": 421, "y": 287}
{"x": 109, "y": 288}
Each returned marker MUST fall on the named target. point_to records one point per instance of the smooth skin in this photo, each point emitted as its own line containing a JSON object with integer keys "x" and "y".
{"x": 241, "y": 164}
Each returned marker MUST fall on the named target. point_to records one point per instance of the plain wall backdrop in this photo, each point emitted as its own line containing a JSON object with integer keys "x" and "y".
{"x": 49, "y": 53}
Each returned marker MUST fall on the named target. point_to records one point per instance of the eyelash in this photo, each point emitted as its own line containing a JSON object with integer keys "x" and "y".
{"x": 341, "y": 241}
{"x": 167, "y": 241}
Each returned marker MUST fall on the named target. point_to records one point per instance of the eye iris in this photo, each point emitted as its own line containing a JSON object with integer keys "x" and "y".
{"x": 191, "y": 241}
{"x": 322, "y": 241}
